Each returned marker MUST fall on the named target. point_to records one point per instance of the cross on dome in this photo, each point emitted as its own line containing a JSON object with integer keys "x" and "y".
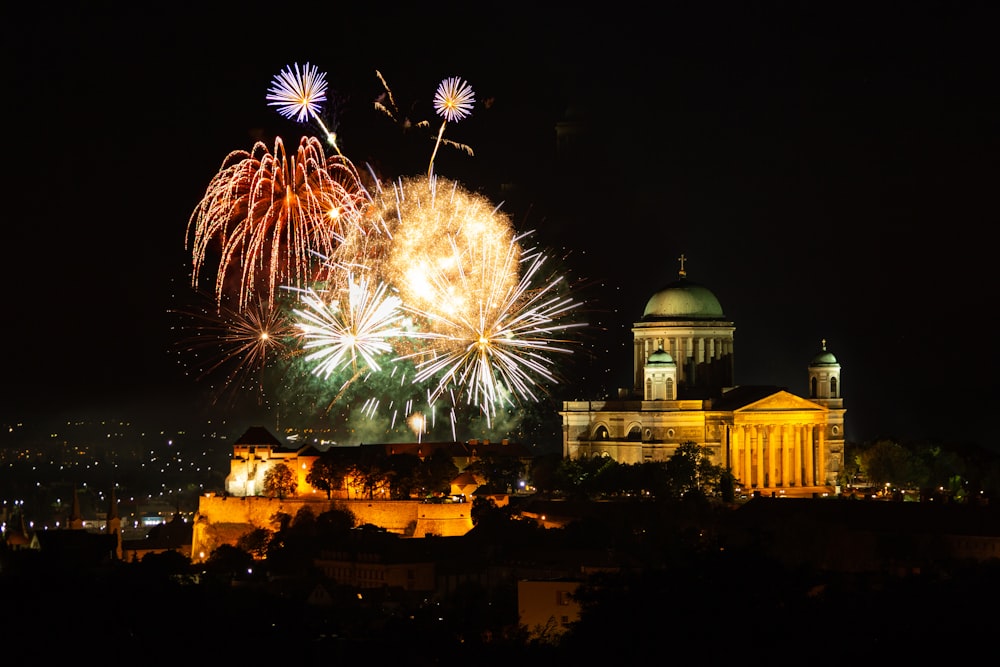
{"x": 682, "y": 259}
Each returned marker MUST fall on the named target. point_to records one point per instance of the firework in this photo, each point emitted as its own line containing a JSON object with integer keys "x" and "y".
{"x": 273, "y": 216}
{"x": 341, "y": 330}
{"x": 298, "y": 94}
{"x": 237, "y": 345}
{"x": 504, "y": 345}
{"x": 433, "y": 228}
{"x": 453, "y": 101}
{"x": 401, "y": 299}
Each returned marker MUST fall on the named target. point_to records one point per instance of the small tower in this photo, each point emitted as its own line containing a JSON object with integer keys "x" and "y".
{"x": 824, "y": 376}
{"x": 660, "y": 377}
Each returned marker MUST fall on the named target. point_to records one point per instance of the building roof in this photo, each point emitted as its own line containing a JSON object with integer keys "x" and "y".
{"x": 744, "y": 395}
{"x": 683, "y": 300}
{"x": 824, "y": 358}
{"x": 259, "y": 435}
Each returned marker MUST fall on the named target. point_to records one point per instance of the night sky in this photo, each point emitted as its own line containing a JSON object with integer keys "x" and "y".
{"x": 830, "y": 173}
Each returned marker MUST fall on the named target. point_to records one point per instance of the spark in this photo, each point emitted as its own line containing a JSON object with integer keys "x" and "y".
{"x": 341, "y": 330}
{"x": 297, "y": 95}
{"x": 453, "y": 101}
{"x": 504, "y": 347}
{"x": 239, "y": 344}
{"x": 272, "y": 215}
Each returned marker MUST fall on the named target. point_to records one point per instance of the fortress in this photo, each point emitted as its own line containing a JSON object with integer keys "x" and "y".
{"x": 223, "y": 520}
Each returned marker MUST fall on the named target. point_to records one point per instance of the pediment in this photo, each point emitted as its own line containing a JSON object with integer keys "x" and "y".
{"x": 780, "y": 401}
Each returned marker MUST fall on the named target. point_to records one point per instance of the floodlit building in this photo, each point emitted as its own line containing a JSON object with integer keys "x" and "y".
{"x": 774, "y": 441}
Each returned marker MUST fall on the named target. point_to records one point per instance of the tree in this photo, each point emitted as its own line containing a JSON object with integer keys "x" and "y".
{"x": 279, "y": 481}
{"x": 370, "y": 471}
{"x": 500, "y": 471}
{"x": 690, "y": 470}
{"x": 543, "y": 472}
{"x": 328, "y": 471}
{"x": 228, "y": 560}
{"x": 436, "y": 473}
{"x": 402, "y": 470}
{"x": 888, "y": 462}
{"x": 255, "y": 542}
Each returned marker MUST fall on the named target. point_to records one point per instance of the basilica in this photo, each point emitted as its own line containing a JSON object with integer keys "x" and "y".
{"x": 774, "y": 442}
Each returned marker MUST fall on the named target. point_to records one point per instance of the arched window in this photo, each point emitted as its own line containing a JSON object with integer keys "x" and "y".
{"x": 812, "y": 388}
{"x": 833, "y": 387}
{"x": 601, "y": 433}
{"x": 635, "y": 434}
{"x": 670, "y": 389}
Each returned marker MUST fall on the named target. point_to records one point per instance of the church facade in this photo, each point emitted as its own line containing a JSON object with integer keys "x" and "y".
{"x": 773, "y": 441}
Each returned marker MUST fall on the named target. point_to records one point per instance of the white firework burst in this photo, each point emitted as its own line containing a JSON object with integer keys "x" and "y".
{"x": 341, "y": 330}
{"x": 298, "y": 93}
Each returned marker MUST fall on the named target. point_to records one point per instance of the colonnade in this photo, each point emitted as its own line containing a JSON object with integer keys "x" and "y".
{"x": 704, "y": 349}
{"x": 777, "y": 456}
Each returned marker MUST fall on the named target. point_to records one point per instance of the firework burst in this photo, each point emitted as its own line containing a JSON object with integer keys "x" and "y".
{"x": 297, "y": 95}
{"x": 453, "y": 101}
{"x": 401, "y": 301}
{"x": 273, "y": 215}
{"x": 359, "y": 324}
{"x": 505, "y": 344}
{"x": 235, "y": 345}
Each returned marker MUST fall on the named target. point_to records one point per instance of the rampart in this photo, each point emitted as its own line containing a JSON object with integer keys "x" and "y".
{"x": 223, "y": 520}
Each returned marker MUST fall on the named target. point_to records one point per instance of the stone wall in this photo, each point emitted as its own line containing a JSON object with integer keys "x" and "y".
{"x": 223, "y": 520}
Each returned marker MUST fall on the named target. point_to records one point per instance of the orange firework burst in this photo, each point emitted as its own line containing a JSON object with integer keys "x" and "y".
{"x": 274, "y": 216}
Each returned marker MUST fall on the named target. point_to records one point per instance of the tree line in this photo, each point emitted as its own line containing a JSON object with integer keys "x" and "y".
{"x": 371, "y": 473}
{"x": 921, "y": 470}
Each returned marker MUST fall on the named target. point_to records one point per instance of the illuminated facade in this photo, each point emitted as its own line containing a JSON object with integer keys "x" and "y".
{"x": 255, "y": 452}
{"x": 773, "y": 441}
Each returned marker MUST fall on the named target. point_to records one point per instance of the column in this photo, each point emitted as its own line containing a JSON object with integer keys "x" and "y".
{"x": 746, "y": 443}
{"x": 772, "y": 469}
{"x": 821, "y": 455}
{"x": 797, "y": 456}
{"x": 734, "y": 451}
{"x": 786, "y": 466}
{"x": 759, "y": 451}
{"x": 810, "y": 478}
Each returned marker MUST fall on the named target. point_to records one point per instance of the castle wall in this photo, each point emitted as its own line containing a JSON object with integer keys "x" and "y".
{"x": 223, "y": 520}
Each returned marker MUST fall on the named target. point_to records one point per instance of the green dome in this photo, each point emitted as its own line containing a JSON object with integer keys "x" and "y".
{"x": 661, "y": 356}
{"x": 683, "y": 300}
{"x": 824, "y": 358}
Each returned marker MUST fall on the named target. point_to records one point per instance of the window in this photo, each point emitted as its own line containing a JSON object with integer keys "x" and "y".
{"x": 833, "y": 387}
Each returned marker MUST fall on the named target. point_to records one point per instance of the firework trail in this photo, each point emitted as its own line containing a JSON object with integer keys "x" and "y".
{"x": 272, "y": 215}
{"x": 453, "y": 101}
{"x": 297, "y": 94}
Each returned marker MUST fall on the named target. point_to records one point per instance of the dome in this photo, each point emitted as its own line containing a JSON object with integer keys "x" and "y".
{"x": 661, "y": 356}
{"x": 824, "y": 358}
{"x": 683, "y": 299}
